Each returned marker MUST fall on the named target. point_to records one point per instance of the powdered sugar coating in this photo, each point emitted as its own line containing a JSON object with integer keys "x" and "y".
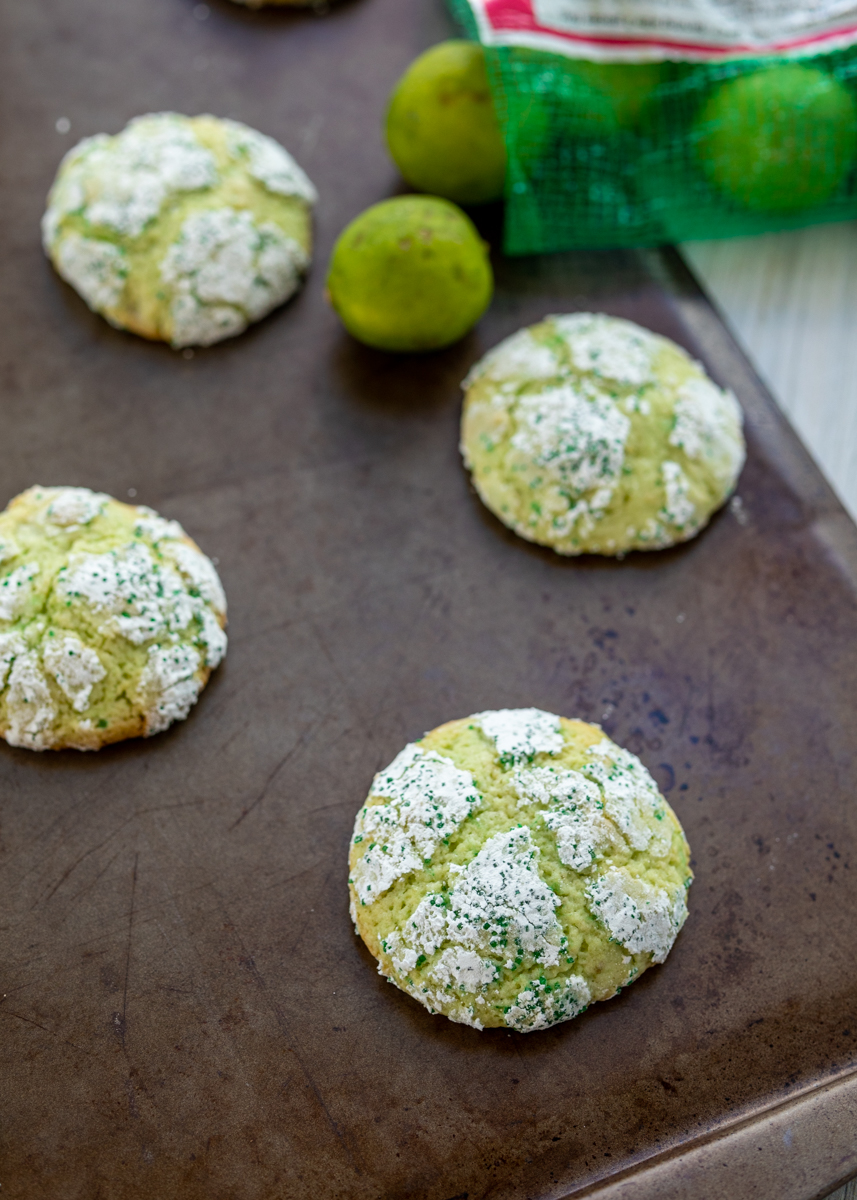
{"x": 101, "y": 643}
{"x": 94, "y": 268}
{"x": 499, "y": 913}
{"x": 71, "y": 506}
{"x": 168, "y": 685}
{"x": 29, "y": 707}
{"x": 575, "y": 813}
{"x": 631, "y": 797}
{"x": 708, "y": 427}
{"x": 679, "y": 510}
{"x": 75, "y": 667}
{"x": 513, "y": 917}
{"x": 121, "y": 183}
{"x": 519, "y": 355}
{"x": 608, "y": 346}
{"x": 16, "y": 589}
{"x": 199, "y": 574}
{"x": 610, "y": 803}
{"x": 540, "y": 1004}
{"x": 577, "y": 441}
{"x": 268, "y": 162}
{"x": 11, "y": 645}
{"x": 137, "y": 597}
{"x": 225, "y": 272}
{"x": 587, "y": 433}
{"x": 149, "y": 197}
{"x": 154, "y": 528}
{"x": 520, "y": 733}
{"x": 642, "y": 918}
{"x": 499, "y": 904}
{"x": 428, "y": 797}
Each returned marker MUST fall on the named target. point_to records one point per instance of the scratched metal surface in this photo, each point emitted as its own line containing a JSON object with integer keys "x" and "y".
{"x": 186, "y": 1012}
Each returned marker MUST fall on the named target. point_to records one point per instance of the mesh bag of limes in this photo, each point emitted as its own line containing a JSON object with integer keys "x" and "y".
{"x": 655, "y": 121}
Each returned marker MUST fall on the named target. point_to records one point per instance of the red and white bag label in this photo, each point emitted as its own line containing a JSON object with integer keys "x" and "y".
{"x": 655, "y": 30}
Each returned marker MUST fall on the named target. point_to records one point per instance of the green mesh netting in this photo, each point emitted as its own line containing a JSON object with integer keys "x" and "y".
{"x": 624, "y": 155}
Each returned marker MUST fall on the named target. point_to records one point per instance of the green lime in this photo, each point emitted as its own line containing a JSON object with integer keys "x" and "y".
{"x": 780, "y": 138}
{"x": 442, "y": 130}
{"x": 410, "y": 274}
{"x": 627, "y": 87}
{"x": 588, "y": 101}
{"x": 584, "y": 111}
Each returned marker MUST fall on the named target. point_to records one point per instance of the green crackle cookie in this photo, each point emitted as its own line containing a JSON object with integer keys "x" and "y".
{"x": 181, "y": 229}
{"x": 591, "y": 435}
{"x": 511, "y": 868}
{"x": 111, "y": 620}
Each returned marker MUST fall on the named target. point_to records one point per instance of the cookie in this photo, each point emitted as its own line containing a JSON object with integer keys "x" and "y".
{"x": 181, "y": 229}
{"x": 111, "y": 620}
{"x": 591, "y": 435}
{"x": 512, "y": 868}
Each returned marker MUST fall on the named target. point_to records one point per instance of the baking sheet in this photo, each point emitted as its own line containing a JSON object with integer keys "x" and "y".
{"x": 186, "y": 1011}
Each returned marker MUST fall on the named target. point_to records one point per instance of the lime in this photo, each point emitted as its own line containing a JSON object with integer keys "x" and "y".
{"x": 442, "y": 130}
{"x": 410, "y": 274}
{"x": 627, "y": 87}
{"x": 780, "y": 138}
{"x": 587, "y": 101}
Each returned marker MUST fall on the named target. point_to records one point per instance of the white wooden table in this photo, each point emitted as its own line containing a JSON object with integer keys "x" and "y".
{"x": 791, "y": 301}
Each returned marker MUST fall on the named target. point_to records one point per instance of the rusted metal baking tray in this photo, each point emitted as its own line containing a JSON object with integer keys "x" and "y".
{"x": 187, "y": 1013}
